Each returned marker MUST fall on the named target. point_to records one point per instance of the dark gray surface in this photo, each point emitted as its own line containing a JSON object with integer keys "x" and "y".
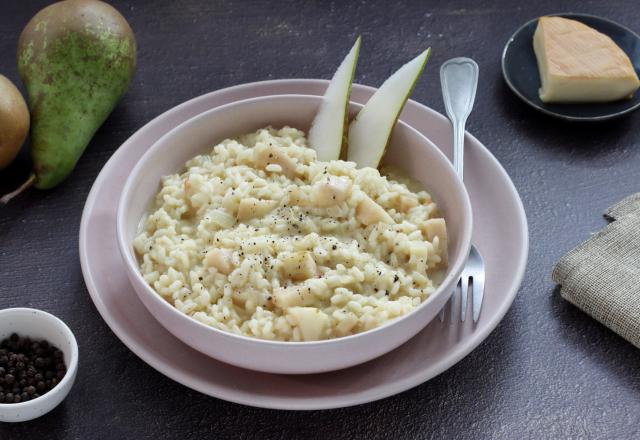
{"x": 547, "y": 371}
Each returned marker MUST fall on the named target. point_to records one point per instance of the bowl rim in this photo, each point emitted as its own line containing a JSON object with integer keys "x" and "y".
{"x": 133, "y": 268}
{"x": 72, "y": 368}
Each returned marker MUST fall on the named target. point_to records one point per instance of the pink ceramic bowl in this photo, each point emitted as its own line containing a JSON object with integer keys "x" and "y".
{"x": 408, "y": 150}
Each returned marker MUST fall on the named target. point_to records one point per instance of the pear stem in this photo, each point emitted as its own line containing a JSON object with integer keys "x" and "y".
{"x": 26, "y": 185}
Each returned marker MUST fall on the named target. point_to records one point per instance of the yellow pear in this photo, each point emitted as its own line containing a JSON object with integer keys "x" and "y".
{"x": 14, "y": 121}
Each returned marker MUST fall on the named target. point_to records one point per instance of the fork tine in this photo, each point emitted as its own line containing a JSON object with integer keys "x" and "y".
{"x": 478, "y": 284}
{"x": 453, "y": 315}
{"x": 478, "y": 294}
{"x": 464, "y": 284}
{"x": 442, "y": 310}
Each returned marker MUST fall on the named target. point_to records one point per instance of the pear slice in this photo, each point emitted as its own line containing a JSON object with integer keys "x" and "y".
{"x": 370, "y": 131}
{"x": 328, "y": 130}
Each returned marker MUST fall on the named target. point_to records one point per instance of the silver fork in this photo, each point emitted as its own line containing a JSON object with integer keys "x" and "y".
{"x": 459, "y": 79}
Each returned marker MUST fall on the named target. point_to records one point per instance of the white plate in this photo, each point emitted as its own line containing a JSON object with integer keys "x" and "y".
{"x": 500, "y": 233}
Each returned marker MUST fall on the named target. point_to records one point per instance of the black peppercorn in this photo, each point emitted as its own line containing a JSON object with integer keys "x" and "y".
{"x": 28, "y": 368}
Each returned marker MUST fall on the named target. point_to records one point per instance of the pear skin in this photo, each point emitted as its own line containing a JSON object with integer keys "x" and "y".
{"x": 329, "y": 129}
{"x": 370, "y": 131}
{"x": 14, "y": 121}
{"x": 77, "y": 59}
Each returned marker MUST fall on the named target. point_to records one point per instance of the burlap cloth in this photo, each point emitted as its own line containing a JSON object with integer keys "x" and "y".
{"x": 602, "y": 275}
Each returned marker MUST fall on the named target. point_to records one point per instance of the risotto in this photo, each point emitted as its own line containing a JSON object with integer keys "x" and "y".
{"x": 259, "y": 238}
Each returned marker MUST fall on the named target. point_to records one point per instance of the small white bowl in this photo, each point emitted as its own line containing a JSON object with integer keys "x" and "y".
{"x": 37, "y": 324}
{"x": 408, "y": 150}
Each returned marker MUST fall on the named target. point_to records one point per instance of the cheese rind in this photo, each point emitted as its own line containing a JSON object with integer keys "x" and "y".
{"x": 579, "y": 64}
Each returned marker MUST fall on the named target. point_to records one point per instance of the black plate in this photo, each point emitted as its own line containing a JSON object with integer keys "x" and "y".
{"x": 520, "y": 70}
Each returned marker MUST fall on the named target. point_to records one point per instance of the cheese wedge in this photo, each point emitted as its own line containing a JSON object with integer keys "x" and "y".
{"x": 579, "y": 64}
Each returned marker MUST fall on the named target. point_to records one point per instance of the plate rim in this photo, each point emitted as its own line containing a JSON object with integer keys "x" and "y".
{"x": 516, "y": 91}
{"x": 298, "y": 403}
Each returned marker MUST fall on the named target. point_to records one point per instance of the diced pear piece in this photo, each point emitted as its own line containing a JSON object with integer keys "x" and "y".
{"x": 368, "y": 212}
{"x": 188, "y": 187}
{"x": 327, "y": 133}
{"x": 370, "y": 131}
{"x": 420, "y": 250}
{"x": 310, "y": 320}
{"x": 298, "y": 197}
{"x": 348, "y": 322}
{"x": 285, "y": 297}
{"x": 264, "y": 155}
{"x": 251, "y": 208}
{"x": 299, "y": 266}
{"x": 221, "y": 218}
{"x": 437, "y": 227}
{"x": 331, "y": 190}
{"x": 221, "y": 259}
{"x": 407, "y": 202}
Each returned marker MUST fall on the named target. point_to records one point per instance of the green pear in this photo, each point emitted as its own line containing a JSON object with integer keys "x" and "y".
{"x": 77, "y": 59}
{"x": 370, "y": 131}
{"x": 327, "y": 134}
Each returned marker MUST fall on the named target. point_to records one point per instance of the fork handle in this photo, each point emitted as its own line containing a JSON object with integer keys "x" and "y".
{"x": 458, "y": 148}
{"x": 459, "y": 79}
